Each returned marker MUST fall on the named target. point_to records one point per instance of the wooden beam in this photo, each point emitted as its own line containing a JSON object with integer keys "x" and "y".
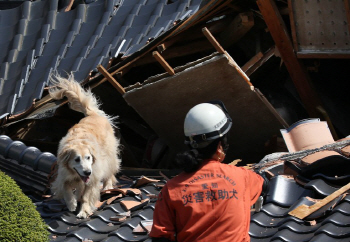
{"x": 303, "y": 211}
{"x": 207, "y": 12}
{"x": 164, "y": 64}
{"x": 266, "y": 56}
{"x": 294, "y": 66}
{"x": 252, "y": 62}
{"x": 237, "y": 28}
{"x": 213, "y": 41}
{"x": 110, "y": 78}
{"x": 215, "y": 27}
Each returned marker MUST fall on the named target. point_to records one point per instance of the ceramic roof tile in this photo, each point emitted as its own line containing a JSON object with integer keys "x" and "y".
{"x": 287, "y": 235}
{"x": 261, "y": 232}
{"x": 132, "y": 223}
{"x": 325, "y": 237}
{"x": 105, "y": 215}
{"x": 281, "y": 190}
{"x": 252, "y": 239}
{"x": 338, "y": 219}
{"x": 44, "y": 29}
{"x": 321, "y": 187}
{"x": 145, "y": 214}
{"x": 116, "y": 207}
{"x": 60, "y": 228}
{"x": 99, "y": 226}
{"x": 333, "y": 180}
{"x": 272, "y": 223}
{"x": 334, "y": 231}
{"x": 300, "y": 228}
{"x": 343, "y": 208}
{"x": 126, "y": 234}
{"x": 84, "y": 233}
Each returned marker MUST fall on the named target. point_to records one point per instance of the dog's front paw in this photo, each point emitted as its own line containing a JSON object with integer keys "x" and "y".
{"x": 83, "y": 214}
{"x": 72, "y": 206}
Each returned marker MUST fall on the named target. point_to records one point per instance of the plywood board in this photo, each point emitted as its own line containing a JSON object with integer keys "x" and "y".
{"x": 320, "y": 28}
{"x": 164, "y": 101}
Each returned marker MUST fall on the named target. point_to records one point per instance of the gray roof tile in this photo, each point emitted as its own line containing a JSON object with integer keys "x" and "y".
{"x": 272, "y": 223}
{"x": 39, "y": 26}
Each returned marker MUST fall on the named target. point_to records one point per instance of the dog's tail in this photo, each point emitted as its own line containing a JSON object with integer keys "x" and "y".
{"x": 79, "y": 99}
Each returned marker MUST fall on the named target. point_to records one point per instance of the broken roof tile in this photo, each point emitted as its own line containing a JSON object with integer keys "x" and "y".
{"x": 307, "y": 134}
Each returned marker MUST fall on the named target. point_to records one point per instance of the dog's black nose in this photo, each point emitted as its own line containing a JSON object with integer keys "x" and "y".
{"x": 87, "y": 173}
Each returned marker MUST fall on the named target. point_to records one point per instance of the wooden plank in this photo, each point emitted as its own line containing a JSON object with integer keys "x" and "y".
{"x": 303, "y": 211}
{"x": 213, "y": 41}
{"x": 252, "y": 62}
{"x": 266, "y": 56}
{"x": 294, "y": 66}
{"x": 319, "y": 25}
{"x": 215, "y": 27}
{"x": 239, "y": 70}
{"x": 163, "y": 63}
{"x": 205, "y": 13}
{"x": 110, "y": 78}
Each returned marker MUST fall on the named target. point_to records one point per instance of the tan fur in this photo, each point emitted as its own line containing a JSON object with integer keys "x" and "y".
{"x": 89, "y": 146}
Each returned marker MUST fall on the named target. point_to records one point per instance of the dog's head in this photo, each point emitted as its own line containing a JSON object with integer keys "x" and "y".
{"x": 78, "y": 159}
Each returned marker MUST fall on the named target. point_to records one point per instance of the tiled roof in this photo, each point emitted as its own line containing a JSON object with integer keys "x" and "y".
{"x": 28, "y": 166}
{"x": 305, "y": 177}
{"x": 36, "y": 39}
{"x": 112, "y": 221}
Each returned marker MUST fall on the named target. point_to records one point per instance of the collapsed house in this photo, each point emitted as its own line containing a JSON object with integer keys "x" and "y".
{"x": 272, "y": 63}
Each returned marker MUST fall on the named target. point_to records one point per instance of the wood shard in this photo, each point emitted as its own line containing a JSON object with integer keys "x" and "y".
{"x": 303, "y": 211}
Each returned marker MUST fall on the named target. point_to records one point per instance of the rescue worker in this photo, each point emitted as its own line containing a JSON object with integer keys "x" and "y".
{"x": 210, "y": 200}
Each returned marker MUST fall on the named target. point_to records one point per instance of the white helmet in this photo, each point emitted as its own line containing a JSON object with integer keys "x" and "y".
{"x": 206, "y": 122}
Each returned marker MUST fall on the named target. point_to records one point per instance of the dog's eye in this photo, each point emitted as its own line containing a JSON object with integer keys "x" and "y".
{"x": 88, "y": 157}
{"x": 77, "y": 159}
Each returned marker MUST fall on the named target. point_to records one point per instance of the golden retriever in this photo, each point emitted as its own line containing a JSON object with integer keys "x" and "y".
{"x": 88, "y": 154}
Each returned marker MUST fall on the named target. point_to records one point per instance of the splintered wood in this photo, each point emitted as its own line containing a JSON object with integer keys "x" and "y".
{"x": 303, "y": 211}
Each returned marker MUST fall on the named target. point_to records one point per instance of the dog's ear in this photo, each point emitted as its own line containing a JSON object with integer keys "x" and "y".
{"x": 64, "y": 155}
{"x": 93, "y": 154}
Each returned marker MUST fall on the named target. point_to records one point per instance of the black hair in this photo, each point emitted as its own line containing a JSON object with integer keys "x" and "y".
{"x": 191, "y": 160}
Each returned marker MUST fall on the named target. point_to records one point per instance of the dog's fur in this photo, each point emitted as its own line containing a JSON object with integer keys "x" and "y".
{"x": 88, "y": 154}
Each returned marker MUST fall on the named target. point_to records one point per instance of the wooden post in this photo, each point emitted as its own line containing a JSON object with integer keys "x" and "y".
{"x": 284, "y": 45}
{"x": 165, "y": 64}
{"x": 110, "y": 78}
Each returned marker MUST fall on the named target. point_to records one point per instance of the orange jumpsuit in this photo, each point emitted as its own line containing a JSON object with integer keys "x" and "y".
{"x": 210, "y": 204}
